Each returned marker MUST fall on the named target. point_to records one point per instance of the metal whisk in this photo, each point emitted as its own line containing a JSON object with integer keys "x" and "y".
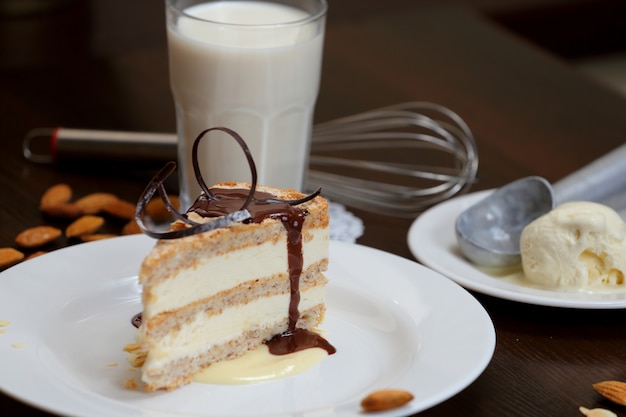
{"x": 396, "y": 160}
{"x": 410, "y": 131}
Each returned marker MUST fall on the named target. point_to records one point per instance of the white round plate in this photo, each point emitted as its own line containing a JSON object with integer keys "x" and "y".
{"x": 432, "y": 241}
{"x": 394, "y": 323}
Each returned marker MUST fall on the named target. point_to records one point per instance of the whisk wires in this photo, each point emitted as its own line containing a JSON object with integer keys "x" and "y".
{"x": 397, "y": 160}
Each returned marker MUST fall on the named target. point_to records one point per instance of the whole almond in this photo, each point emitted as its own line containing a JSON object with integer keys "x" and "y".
{"x": 386, "y": 400}
{"x": 10, "y": 256}
{"x": 57, "y": 194}
{"x": 84, "y": 225}
{"x": 37, "y": 236}
{"x": 158, "y": 212}
{"x": 94, "y": 203}
{"x": 121, "y": 209}
{"x": 66, "y": 211}
{"x": 612, "y": 390}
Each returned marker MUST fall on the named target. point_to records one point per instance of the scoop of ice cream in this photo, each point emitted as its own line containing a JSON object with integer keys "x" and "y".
{"x": 578, "y": 245}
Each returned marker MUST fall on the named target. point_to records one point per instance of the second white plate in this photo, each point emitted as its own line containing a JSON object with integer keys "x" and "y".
{"x": 432, "y": 241}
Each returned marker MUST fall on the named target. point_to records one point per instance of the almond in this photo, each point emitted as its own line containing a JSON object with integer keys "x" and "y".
{"x": 612, "y": 390}
{"x": 84, "y": 225}
{"x": 596, "y": 412}
{"x": 96, "y": 236}
{"x": 35, "y": 254}
{"x": 57, "y": 194}
{"x": 131, "y": 228}
{"x": 67, "y": 211}
{"x": 37, "y": 236}
{"x": 121, "y": 209}
{"x": 138, "y": 358}
{"x": 158, "y": 212}
{"x": 10, "y": 256}
{"x": 95, "y": 202}
{"x": 131, "y": 347}
{"x": 385, "y": 400}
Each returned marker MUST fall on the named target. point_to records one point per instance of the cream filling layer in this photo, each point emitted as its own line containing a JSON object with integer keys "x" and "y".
{"x": 202, "y": 333}
{"x": 220, "y": 273}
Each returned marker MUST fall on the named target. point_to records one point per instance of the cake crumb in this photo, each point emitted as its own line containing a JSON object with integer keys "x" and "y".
{"x": 18, "y": 345}
{"x": 130, "y": 383}
{"x": 112, "y": 364}
{"x": 4, "y": 323}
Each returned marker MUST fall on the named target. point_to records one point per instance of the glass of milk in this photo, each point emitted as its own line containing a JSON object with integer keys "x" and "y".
{"x": 252, "y": 66}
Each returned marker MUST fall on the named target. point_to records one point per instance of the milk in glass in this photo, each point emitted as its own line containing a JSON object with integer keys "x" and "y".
{"x": 253, "y": 67}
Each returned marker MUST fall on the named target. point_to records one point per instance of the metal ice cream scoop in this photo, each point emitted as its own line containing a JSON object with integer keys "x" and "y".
{"x": 488, "y": 233}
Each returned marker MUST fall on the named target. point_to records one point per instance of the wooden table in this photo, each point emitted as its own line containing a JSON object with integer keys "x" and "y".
{"x": 85, "y": 67}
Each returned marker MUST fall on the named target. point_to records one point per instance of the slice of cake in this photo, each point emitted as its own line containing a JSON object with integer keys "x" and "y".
{"x": 213, "y": 296}
{"x": 243, "y": 266}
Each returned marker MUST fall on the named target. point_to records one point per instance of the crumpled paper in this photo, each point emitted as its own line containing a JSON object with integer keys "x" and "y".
{"x": 344, "y": 225}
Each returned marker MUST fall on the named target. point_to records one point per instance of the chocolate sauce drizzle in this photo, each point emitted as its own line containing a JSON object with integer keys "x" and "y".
{"x": 136, "y": 320}
{"x": 226, "y": 206}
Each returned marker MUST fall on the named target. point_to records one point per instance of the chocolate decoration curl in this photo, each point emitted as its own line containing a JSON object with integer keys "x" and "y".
{"x": 246, "y": 151}
{"x": 156, "y": 185}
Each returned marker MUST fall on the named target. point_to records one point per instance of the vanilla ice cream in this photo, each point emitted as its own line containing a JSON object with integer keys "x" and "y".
{"x": 578, "y": 245}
